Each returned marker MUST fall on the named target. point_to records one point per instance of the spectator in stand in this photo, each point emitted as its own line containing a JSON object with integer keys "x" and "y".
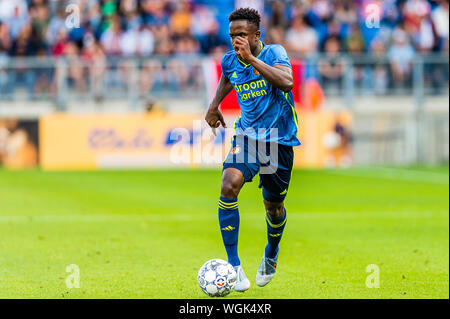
{"x": 137, "y": 41}
{"x": 332, "y": 67}
{"x": 212, "y": 40}
{"x": 131, "y": 16}
{"x": 354, "y": 44}
{"x": 5, "y": 39}
{"x": 39, "y": 20}
{"x": 19, "y": 19}
{"x": 24, "y": 45}
{"x": 94, "y": 56}
{"x": 180, "y": 20}
{"x": 59, "y": 47}
{"x": 205, "y": 28}
{"x": 5, "y": 90}
{"x": 345, "y": 12}
{"x": 276, "y": 35}
{"x": 56, "y": 24}
{"x": 401, "y": 55}
{"x": 155, "y": 13}
{"x": 440, "y": 18}
{"x": 112, "y": 37}
{"x": 75, "y": 72}
{"x": 278, "y": 19}
{"x": 94, "y": 17}
{"x": 301, "y": 38}
{"x": 420, "y": 26}
{"x": 380, "y": 74}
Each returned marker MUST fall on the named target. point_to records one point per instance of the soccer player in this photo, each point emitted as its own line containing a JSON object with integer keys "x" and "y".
{"x": 262, "y": 77}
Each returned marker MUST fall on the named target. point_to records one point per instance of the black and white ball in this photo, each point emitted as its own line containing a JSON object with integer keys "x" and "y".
{"x": 217, "y": 278}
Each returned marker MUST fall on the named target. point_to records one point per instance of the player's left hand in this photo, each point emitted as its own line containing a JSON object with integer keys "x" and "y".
{"x": 243, "y": 47}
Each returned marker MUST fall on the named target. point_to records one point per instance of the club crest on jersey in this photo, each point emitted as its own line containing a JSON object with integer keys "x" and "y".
{"x": 255, "y": 71}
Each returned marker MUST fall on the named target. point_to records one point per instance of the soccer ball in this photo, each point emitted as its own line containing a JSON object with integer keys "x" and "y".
{"x": 217, "y": 278}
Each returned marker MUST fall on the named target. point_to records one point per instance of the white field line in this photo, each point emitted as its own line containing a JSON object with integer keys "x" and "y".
{"x": 193, "y": 217}
{"x": 397, "y": 174}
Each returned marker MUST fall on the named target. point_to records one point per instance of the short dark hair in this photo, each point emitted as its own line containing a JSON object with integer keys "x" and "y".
{"x": 249, "y": 14}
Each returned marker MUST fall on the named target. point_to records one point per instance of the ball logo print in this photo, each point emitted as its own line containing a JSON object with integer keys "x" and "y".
{"x": 217, "y": 278}
{"x": 220, "y": 282}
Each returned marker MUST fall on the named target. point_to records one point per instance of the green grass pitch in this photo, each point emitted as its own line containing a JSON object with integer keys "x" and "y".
{"x": 145, "y": 234}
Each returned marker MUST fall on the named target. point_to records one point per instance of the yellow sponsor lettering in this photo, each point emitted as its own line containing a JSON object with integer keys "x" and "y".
{"x": 255, "y": 85}
{"x": 260, "y": 84}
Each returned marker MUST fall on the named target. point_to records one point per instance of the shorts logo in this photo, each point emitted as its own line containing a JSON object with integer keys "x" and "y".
{"x": 236, "y": 150}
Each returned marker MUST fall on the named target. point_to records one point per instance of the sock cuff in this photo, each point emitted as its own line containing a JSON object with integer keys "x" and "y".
{"x": 228, "y": 204}
{"x": 277, "y": 223}
{"x": 228, "y": 200}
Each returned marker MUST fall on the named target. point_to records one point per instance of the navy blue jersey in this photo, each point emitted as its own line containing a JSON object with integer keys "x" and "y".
{"x": 264, "y": 108}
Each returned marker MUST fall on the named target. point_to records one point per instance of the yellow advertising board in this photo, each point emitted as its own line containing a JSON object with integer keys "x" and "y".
{"x": 326, "y": 140}
{"x": 95, "y": 141}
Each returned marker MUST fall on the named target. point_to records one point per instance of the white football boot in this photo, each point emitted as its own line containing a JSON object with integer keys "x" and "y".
{"x": 266, "y": 270}
{"x": 242, "y": 282}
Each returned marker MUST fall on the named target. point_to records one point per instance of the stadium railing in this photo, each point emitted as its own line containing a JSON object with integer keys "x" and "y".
{"x": 134, "y": 81}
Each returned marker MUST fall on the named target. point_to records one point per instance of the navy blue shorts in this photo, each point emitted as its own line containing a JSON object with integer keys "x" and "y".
{"x": 272, "y": 161}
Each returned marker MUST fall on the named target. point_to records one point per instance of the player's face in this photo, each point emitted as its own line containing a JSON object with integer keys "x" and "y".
{"x": 246, "y": 30}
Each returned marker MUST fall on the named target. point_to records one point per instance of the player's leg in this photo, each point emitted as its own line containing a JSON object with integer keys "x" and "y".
{"x": 276, "y": 221}
{"x": 232, "y": 183}
{"x": 276, "y": 217}
{"x": 275, "y": 187}
{"x": 237, "y": 171}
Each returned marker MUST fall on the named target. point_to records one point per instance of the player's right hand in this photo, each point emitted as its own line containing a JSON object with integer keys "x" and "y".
{"x": 214, "y": 118}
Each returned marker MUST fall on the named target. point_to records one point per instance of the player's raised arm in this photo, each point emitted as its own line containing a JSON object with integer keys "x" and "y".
{"x": 214, "y": 117}
{"x": 278, "y": 75}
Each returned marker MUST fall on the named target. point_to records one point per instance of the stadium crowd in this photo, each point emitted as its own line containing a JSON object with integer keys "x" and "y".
{"x": 185, "y": 28}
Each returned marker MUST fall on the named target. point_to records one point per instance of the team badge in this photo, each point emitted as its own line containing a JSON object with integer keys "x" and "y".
{"x": 236, "y": 150}
{"x": 255, "y": 71}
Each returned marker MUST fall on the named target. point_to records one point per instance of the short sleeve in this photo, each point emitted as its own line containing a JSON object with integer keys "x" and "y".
{"x": 224, "y": 64}
{"x": 278, "y": 56}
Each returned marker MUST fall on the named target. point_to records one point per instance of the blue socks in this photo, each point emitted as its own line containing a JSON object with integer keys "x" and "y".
{"x": 275, "y": 229}
{"x": 229, "y": 227}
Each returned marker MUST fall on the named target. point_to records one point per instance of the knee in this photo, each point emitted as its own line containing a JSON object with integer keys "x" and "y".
{"x": 274, "y": 210}
{"x": 230, "y": 188}
{"x": 232, "y": 182}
